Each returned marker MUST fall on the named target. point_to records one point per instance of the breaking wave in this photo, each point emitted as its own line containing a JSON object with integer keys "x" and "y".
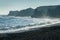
{"x": 22, "y": 24}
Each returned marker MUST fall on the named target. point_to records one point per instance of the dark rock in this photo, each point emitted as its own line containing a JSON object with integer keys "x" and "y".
{"x": 13, "y": 13}
{"x": 26, "y": 12}
{"x": 42, "y": 11}
{"x": 51, "y": 11}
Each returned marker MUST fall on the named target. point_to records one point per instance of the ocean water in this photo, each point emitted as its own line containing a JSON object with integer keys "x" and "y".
{"x": 11, "y": 22}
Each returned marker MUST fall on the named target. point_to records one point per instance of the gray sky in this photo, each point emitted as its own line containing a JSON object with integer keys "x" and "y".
{"x": 7, "y": 5}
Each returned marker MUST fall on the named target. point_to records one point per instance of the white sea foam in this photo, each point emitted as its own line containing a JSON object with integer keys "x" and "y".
{"x": 46, "y": 22}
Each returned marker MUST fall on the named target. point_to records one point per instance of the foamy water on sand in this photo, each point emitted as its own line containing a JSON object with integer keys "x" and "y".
{"x": 22, "y": 24}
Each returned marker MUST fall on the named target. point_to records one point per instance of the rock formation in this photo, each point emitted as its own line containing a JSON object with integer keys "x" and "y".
{"x": 42, "y": 11}
{"x": 26, "y": 12}
{"x": 51, "y": 11}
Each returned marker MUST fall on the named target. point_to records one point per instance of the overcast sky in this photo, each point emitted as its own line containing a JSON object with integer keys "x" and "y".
{"x": 7, "y": 5}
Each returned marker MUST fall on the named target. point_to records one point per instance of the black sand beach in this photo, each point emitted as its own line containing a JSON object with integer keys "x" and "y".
{"x": 45, "y": 33}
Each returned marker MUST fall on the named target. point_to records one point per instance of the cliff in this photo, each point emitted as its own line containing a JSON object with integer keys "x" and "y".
{"x": 51, "y": 11}
{"x": 13, "y": 13}
{"x": 25, "y": 12}
{"x": 42, "y": 11}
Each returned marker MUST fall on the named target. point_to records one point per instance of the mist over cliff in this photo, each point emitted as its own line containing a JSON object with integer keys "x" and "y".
{"x": 42, "y": 11}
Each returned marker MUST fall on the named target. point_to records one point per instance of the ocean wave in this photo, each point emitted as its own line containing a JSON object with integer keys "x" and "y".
{"x": 29, "y": 24}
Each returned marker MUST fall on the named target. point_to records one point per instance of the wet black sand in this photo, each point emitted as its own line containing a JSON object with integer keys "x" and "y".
{"x": 47, "y": 33}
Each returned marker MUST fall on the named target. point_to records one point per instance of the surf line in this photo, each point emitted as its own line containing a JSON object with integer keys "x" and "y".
{"x": 28, "y": 28}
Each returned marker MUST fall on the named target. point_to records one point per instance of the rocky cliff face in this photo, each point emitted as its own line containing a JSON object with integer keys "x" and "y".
{"x": 42, "y": 11}
{"x": 26, "y": 12}
{"x": 13, "y": 13}
{"x": 54, "y": 12}
{"x": 51, "y": 11}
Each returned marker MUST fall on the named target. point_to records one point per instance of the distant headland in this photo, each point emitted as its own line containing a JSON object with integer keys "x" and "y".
{"x": 51, "y": 11}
